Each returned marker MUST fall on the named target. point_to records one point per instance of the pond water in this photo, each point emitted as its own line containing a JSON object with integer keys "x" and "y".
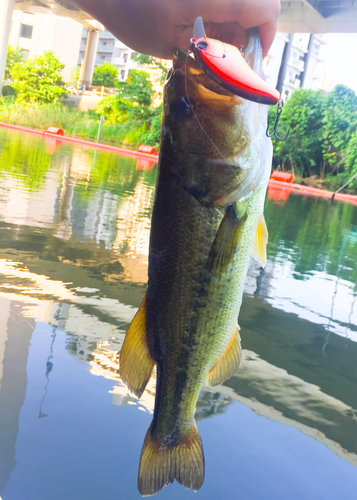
{"x": 74, "y": 229}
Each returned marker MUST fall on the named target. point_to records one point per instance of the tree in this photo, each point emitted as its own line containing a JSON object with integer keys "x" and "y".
{"x": 351, "y": 158}
{"x": 14, "y": 55}
{"x": 74, "y": 76}
{"x": 339, "y": 124}
{"x": 303, "y": 114}
{"x": 132, "y": 101}
{"x": 154, "y": 63}
{"x": 105, "y": 74}
{"x": 38, "y": 79}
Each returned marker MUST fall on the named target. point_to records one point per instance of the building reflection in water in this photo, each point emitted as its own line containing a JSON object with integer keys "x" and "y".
{"x": 74, "y": 255}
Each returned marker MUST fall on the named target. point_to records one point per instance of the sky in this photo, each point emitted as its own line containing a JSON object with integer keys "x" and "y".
{"x": 341, "y": 58}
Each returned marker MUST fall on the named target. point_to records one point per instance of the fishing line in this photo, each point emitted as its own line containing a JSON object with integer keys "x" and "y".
{"x": 198, "y": 121}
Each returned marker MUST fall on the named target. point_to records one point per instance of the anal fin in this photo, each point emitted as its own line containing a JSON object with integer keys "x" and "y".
{"x": 229, "y": 362}
{"x": 135, "y": 361}
{"x": 259, "y": 250}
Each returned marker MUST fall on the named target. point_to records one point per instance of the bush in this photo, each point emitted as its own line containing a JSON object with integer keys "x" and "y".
{"x": 105, "y": 75}
{"x": 38, "y": 79}
{"x": 14, "y": 55}
{"x": 7, "y": 90}
{"x": 73, "y": 77}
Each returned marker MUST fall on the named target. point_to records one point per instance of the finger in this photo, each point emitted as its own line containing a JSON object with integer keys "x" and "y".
{"x": 246, "y": 13}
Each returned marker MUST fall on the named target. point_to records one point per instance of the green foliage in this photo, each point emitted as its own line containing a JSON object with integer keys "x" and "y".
{"x": 74, "y": 76}
{"x": 14, "y": 55}
{"x": 38, "y": 79}
{"x": 105, "y": 74}
{"x": 82, "y": 124}
{"x": 322, "y": 133}
{"x": 302, "y": 151}
{"x": 153, "y": 135}
{"x": 351, "y": 158}
{"x": 7, "y": 90}
{"x": 131, "y": 109}
{"x": 339, "y": 124}
{"x": 154, "y": 63}
{"x": 131, "y": 102}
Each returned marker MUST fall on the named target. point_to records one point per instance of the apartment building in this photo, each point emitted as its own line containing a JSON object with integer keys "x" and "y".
{"x": 294, "y": 61}
{"x": 111, "y": 50}
{"x": 36, "y": 33}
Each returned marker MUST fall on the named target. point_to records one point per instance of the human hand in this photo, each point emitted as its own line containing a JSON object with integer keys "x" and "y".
{"x": 157, "y": 27}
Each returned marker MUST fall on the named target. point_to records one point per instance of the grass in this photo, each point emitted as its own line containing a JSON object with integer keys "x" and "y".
{"x": 81, "y": 124}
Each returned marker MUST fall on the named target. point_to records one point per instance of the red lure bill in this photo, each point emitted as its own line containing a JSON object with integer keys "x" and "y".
{"x": 225, "y": 64}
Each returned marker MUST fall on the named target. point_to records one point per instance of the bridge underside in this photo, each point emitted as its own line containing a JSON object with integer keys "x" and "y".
{"x": 59, "y": 8}
{"x": 297, "y": 16}
{"x": 318, "y": 16}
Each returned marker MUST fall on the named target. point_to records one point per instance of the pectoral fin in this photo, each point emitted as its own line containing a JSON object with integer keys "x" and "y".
{"x": 259, "y": 250}
{"x": 135, "y": 361}
{"x": 229, "y": 362}
{"x": 226, "y": 241}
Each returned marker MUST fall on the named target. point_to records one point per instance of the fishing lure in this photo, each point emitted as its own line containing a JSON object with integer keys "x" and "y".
{"x": 226, "y": 65}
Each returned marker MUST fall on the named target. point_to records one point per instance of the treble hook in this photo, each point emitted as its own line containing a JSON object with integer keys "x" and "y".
{"x": 278, "y": 113}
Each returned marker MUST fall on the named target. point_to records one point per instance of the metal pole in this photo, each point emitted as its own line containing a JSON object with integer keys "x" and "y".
{"x": 100, "y": 126}
{"x": 6, "y": 8}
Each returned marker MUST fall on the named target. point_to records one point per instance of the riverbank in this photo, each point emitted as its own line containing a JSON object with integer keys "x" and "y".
{"x": 75, "y": 123}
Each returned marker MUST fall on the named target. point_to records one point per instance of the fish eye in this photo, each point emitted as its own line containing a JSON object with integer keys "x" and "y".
{"x": 181, "y": 108}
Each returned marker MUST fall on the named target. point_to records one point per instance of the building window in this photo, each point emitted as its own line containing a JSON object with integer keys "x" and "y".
{"x": 287, "y": 94}
{"x": 26, "y": 31}
{"x": 125, "y": 58}
{"x": 133, "y": 54}
{"x": 315, "y": 48}
{"x": 122, "y": 74}
{"x": 292, "y": 77}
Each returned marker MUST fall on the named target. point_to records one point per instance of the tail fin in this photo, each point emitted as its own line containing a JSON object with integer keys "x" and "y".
{"x": 161, "y": 464}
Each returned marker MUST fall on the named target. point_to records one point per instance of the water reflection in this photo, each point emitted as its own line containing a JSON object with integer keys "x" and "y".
{"x": 74, "y": 229}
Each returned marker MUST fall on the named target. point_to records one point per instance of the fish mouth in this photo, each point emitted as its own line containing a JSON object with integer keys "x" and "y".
{"x": 198, "y": 85}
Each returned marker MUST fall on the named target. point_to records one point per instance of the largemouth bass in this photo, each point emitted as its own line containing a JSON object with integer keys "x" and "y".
{"x": 214, "y": 167}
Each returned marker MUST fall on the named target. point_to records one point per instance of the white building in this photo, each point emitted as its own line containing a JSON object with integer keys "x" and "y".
{"x": 111, "y": 50}
{"x": 294, "y": 61}
{"x": 36, "y": 33}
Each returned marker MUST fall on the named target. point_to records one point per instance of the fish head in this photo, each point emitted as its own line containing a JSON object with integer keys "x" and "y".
{"x": 215, "y": 138}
